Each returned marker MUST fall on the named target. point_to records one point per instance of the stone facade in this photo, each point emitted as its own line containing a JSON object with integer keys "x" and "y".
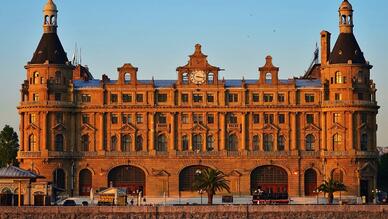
{"x": 151, "y": 135}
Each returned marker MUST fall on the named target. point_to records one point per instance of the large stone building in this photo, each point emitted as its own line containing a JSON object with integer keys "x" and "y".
{"x": 153, "y": 135}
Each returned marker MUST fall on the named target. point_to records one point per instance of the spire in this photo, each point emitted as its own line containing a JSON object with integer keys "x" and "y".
{"x": 346, "y": 17}
{"x": 50, "y": 17}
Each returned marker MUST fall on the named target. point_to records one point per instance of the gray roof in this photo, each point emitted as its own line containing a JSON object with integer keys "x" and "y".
{"x": 169, "y": 83}
{"x": 16, "y": 172}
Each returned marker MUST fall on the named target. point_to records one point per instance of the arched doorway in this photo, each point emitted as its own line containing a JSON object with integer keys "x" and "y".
{"x": 85, "y": 182}
{"x": 6, "y": 197}
{"x": 270, "y": 179}
{"x": 128, "y": 177}
{"x": 187, "y": 177}
{"x": 39, "y": 199}
{"x": 310, "y": 182}
{"x": 59, "y": 179}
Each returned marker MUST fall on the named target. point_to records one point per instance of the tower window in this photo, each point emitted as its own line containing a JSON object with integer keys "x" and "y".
{"x": 309, "y": 98}
{"x": 35, "y": 78}
{"x": 162, "y": 98}
{"x": 338, "y": 78}
{"x": 210, "y": 78}
{"x": 185, "y": 78}
{"x": 127, "y": 78}
{"x": 86, "y": 98}
{"x": 268, "y": 78}
{"x": 35, "y": 97}
{"x": 32, "y": 118}
{"x": 338, "y": 96}
{"x": 255, "y": 98}
{"x": 197, "y": 98}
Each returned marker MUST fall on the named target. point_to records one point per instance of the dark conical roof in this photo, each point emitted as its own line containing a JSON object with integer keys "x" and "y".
{"x": 49, "y": 48}
{"x": 346, "y": 48}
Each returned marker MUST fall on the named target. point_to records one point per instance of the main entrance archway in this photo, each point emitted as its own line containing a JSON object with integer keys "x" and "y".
{"x": 128, "y": 177}
{"x": 187, "y": 177}
{"x": 270, "y": 179}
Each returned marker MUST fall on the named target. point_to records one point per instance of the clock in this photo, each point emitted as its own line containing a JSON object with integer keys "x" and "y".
{"x": 198, "y": 77}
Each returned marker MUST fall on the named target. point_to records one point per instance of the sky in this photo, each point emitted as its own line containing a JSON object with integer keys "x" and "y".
{"x": 157, "y": 36}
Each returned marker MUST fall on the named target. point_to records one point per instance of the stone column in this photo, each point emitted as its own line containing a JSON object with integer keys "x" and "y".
{"x": 222, "y": 132}
{"x": 204, "y": 138}
{"x": 21, "y": 129}
{"x": 101, "y": 132}
{"x": 71, "y": 133}
{"x": 151, "y": 146}
{"x": 293, "y": 131}
{"x": 349, "y": 146}
{"x": 172, "y": 132}
{"x": 243, "y": 132}
{"x": 108, "y": 136}
{"x": 43, "y": 137}
{"x": 323, "y": 132}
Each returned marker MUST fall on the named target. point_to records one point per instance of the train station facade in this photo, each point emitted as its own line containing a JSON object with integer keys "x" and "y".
{"x": 283, "y": 135}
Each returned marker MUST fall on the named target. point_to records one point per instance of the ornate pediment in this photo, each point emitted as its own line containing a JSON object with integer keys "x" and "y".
{"x": 312, "y": 128}
{"x": 337, "y": 126}
{"x": 32, "y": 126}
{"x": 87, "y": 127}
{"x": 235, "y": 173}
{"x": 59, "y": 127}
{"x": 128, "y": 128}
{"x": 270, "y": 127}
{"x": 160, "y": 172}
{"x": 199, "y": 127}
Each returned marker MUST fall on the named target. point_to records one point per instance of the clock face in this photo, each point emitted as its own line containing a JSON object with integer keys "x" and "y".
{"x": 198, "y": 77}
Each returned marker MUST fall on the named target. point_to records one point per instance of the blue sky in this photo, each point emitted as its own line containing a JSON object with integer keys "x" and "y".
{"x": 158, "y": 35}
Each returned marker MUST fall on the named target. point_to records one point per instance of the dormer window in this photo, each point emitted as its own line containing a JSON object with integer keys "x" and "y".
{"x": 127, "y": 78}
{"x": 35, "y": 78}
{"x": 210, "y": 78}
{"x": 185, "y": 78}
{"x": 268, "y": 78}
{"x": 338, "y": 78}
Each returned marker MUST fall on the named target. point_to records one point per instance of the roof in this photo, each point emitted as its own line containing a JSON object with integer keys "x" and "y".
{"x": 49, "y": 48}
{"x": 16, "y": 172}
{"x": 346, "y": 48}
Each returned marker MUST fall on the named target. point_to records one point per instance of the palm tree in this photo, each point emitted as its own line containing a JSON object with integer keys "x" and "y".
{"x": 330, "y": 186}
{"x": 211, "y": 181}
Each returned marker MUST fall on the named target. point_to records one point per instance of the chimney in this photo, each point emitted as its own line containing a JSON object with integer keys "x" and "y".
{"x": 325, "y": 47}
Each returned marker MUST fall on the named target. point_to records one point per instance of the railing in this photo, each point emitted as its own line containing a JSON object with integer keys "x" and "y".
{"x": 162, "y": 126}
{"x": 268, "y": 153}
{"x": 310, "y": 153}
{"x": 233, "y": 153}
{"x": 126, "y": 154}
{"x": 29, "y": 154}
{"x": 56, "y": 103}
{"x": 233, "y": 125}
{"x": 350, "y": 102}
{"x": 197, "y": 153}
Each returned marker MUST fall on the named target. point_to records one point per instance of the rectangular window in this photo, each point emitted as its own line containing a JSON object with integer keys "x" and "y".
{"x": 255, "y": 98}
{"x": 32, "y": 118}
{"x": 210, "y": 118}
{"x": 35, "y": 97}
{"x": 126, "y": 118}
{"x": 197, "y": 98}
{"x": 85, "y": 118}
{"x": 210, "y": 98}
{"x": 281, "y": 118}
{"x": 127, "y": 98}
{"x": 139, "y": 118}
{"x": 198, "y": 118}
{"x": 310, "y": 118}
{"x": 114, "y": 119}
{"x": 309, "y": 98}
{"x": 281, "y": 98}
{"x": 86, "y": 98}
{"x": 162, "y": 98}
{"x": 185, "y": 98}
{"x": 364, "y": 117}
{"x": 268, "y": 118}
{"x": 58, "y": 96}
{"x": 113, "y": 98}
{"x": 185, "y": 118}
{"x": 162, "y": 119}
{"x": 59, "y": 117}
{"x": 139, "y": 98}
{"x": 268, "y": 98}
{"x": 336, "y": 117}
{"x": 338, "y": 96}
{"x": 256, "y": 118}
{"x": 232, "y": 119}
{"x": 232, "y": 98}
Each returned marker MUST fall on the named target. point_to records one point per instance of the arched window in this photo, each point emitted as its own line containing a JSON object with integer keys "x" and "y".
{"x": 197, "y": 142}
{"x": 255, "y": 143}
{"x": 337, "y": 141}
{"x": 210, "y": 78}
{"x": 85, "y": 142}
{"x": 338, "y": 78}
{"x": 364, "y": 142}
{"x": 139, "y": 143}
{"x": 337, "y": 175}
{"x": 185, "y": 143}
{"x": 58, "y": 77}
{"x": 59, "y": 179}
{"x": 310, "y": 182}
{"x": 268, "y": 142}
{"x": 31, "y": 143}
{"x": 281, "y": 143}
{"x": 126, "y": 143}
{"x": 185, "y": 78}
{"x": 52, "y": 20}
{"x": 35, "y": 78}
{"x": 59, "y": 142}
{"x": 129, "y": 177}
{"x": 268, "y": 78}
{"x": 187, "y": 177}
{"x": 210, "y": 143}
{"x": 271, "y": 179}
{"x": 232, "y": 142}
{"x": 127, "y": 78}
{"x": 162, "y": 143}
{"x": 113, "y": 143}
{"x": 310, "y": 140}
{"x": 85, "y": 182}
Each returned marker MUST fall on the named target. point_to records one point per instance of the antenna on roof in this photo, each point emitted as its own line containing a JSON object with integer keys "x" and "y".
{"x": 315, "y": 59}
{"x": 74, "y": 59}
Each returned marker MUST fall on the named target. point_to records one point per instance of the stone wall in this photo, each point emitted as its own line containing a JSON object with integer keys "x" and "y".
{"x": 200, "y": 212}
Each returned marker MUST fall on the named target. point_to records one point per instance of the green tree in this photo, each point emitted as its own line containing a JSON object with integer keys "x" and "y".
{"x": 382, "y": 174}
{"x": 9, "y": 146}
{"x": 211, "y": 181}
{"x": 330, "y": 186}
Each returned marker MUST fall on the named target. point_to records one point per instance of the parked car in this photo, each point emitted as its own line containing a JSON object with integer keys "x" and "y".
{"x": 69, "y": 202}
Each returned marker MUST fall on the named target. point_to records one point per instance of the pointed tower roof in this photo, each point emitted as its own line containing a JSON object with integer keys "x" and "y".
{"x": 49, "y": 49}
